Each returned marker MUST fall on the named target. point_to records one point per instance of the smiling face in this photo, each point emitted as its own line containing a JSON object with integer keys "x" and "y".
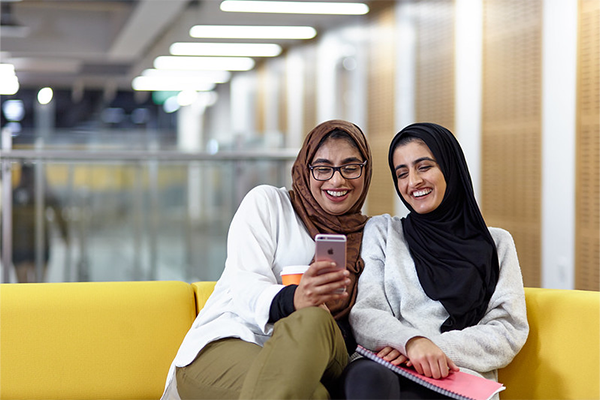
{"x": 337, "y": 195}
{"x": 421, "y": 182}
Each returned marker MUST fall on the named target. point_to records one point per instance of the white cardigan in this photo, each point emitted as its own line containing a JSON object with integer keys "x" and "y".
{"x": 392, "y": 307}
{"x": 265, "y": 235}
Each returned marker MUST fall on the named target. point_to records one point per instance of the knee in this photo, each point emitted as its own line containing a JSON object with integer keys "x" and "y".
{"x": 313, "y": 319}
{"x": 317, "y": 314}
{"x": 310, "y": 322}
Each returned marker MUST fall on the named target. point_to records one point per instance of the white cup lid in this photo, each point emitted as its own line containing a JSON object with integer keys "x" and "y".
{"x": 294, "y": 269}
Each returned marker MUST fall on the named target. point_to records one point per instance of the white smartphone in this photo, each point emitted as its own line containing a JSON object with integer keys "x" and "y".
{"x": 331, "y": 247}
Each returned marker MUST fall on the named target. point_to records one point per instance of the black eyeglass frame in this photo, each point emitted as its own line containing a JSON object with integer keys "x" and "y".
{"x": 338, "y": 169}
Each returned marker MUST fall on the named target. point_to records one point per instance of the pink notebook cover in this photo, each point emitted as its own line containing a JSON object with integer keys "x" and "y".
{"x": 458, "y": 385}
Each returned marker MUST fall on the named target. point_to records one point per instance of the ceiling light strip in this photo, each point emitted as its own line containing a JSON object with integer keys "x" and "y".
{"x": 295, "y": 7}
{"x": 225, "y": 49}
{"x": 9, "y": 83}
{"x": 204, "y": 63}
{"x": 252, "y": 32}
{"x": 148, "y": 83}
{"x": 208, "y": 76}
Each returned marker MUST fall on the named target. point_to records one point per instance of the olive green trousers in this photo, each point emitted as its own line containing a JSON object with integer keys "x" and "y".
{"x": 305, "y": 352}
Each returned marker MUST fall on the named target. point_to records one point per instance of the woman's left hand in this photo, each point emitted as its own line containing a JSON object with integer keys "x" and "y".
{"x": 428, "y": 359}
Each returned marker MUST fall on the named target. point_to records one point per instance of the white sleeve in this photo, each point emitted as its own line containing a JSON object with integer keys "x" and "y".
{"x": 503, "y": 330}
{"x": 372, "y": 311}
{"x": 251, "y": 246}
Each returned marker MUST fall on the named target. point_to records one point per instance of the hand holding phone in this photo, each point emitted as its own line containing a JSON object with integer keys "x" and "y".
{"x": 331, "y": 247}
{"x": 310, "y": 292}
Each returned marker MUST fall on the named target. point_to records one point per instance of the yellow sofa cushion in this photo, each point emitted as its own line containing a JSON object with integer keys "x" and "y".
{"x": 203, "y": 290}
{"x": 91, "y": 340}
{"x": 561, "y": 357}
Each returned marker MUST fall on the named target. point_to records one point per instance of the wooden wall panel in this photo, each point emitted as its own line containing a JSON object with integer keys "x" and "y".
{"x": 434, "y": 21}
{"x": 511, "y": 126}
{"x": 282, "y": 121}
{"x": 587, "y": 208}
{"x": 380, "y": 116}
{"x": 310, "y": 84}
{"x": 261, "y": 97}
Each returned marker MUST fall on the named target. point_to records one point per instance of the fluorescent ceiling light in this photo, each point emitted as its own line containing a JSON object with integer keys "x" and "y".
{"x": 204, "y": 63}
{"x": 151, "y": 83}
{"x": 252, "y": 32}
{"x": 225, "y": 49}
{"x": 9, "y": 83}
{"x": 204, "y": 99}
{"x": 295, "y": 7}
{"x": 187, "y": 97}
{"x": 14, "y": 110}
{"x": 207, "y": 76}
{"x": 171, "y": 105}
{"x": 45, "y": 95}
{"x": 7, "y": 70}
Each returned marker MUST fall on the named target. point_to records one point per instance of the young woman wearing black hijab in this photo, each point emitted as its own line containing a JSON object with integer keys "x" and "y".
{"x": 440, "y": 290}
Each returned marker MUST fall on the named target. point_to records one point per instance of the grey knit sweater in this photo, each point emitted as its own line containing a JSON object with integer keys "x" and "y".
{"x": 392, "y": 307}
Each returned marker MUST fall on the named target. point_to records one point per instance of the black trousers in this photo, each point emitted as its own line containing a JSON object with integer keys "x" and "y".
{"x": 366, "y": 379}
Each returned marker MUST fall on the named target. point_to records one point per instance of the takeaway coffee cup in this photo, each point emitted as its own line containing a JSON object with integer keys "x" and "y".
{"x": 292, "y": 274}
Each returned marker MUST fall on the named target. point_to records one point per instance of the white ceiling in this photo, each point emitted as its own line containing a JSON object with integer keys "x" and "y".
{"x": 95, "y": 44}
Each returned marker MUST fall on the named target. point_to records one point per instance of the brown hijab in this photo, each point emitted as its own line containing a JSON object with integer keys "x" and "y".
{"x": 317, "y": 220}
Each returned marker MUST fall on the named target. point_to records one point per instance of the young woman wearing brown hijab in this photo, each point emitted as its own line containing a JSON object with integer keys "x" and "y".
{"x": 256, "y": 338}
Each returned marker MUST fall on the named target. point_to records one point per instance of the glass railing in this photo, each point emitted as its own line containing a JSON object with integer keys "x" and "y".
{"x": 113, "y": 215}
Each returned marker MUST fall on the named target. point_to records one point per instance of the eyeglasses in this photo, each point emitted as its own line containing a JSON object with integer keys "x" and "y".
{"x": 348, "y": 171}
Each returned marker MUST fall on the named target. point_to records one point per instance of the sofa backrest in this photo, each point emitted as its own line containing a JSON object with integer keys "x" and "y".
{"x": 203, "y": 290}
{"x": 561, "y": 358}
{"x": 91, "y": 340}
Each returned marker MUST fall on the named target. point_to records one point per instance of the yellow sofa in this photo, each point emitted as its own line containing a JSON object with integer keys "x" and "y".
{"x": 561, "y": 358}
{"x": 116, "y": 340}
{"x": 90, "y": 340}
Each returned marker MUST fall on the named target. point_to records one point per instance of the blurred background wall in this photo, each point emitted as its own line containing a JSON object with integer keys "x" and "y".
{"x": 149, "y": 179}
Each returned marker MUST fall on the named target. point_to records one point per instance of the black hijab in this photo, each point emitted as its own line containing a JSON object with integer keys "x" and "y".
{"x": 454, "y": 253}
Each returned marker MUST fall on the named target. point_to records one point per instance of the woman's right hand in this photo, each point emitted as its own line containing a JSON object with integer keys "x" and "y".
{"x": 318, "y": 287}
{"x": 392, "y": 355}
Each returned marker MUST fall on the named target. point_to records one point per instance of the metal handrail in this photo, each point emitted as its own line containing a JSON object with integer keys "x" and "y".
{"x": 286, "y": 154}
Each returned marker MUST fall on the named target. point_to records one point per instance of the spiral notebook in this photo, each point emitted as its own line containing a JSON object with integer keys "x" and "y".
{"x": 458, "y": 385}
